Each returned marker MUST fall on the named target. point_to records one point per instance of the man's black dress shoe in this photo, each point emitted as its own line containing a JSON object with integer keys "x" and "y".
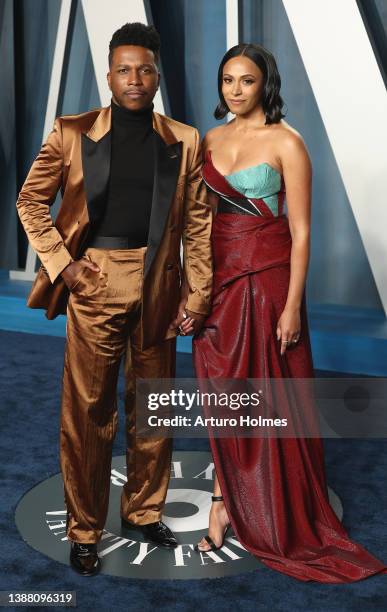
{"x": 158, "y": 533}
{"x": 84, "y": 559}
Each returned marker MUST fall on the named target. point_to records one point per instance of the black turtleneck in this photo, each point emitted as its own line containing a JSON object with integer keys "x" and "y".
{"x": 129, "y": 198}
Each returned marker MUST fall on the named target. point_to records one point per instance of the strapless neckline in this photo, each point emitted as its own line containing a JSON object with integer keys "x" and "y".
{"x": 243, "y": 169}
{"x": 258, "y": 189}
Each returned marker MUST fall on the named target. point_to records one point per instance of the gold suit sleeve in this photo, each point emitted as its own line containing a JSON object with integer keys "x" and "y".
{"x": 197, "y": 256}
{"x": 35, "y": 199}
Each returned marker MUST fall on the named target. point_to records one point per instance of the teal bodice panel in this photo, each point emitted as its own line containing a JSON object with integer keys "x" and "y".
{"x": 258, "y": 182}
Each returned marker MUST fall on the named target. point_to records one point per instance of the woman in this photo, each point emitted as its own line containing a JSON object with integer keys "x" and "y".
{"x": 272, "y": 490}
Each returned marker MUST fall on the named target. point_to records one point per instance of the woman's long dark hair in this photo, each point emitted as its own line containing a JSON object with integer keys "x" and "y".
{"x": 272, "y": 102}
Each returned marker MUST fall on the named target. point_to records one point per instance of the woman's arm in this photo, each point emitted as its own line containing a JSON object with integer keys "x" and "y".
{"x": 297, "y": 173}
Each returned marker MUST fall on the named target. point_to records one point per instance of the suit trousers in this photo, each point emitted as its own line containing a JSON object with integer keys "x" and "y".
{"x": 103, "y": 316}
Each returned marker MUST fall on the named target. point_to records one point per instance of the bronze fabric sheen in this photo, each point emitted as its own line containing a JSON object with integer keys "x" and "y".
{"x": 75, "y": 159}
{"x": 103, "y": 317}
{"x": 125, "y": 309}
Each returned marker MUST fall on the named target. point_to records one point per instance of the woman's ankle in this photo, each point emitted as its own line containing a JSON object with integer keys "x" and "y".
{"x": 218, "y": 509}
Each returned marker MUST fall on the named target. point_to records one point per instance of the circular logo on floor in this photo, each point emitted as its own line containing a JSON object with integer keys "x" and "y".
{"x": 41, "y": 520}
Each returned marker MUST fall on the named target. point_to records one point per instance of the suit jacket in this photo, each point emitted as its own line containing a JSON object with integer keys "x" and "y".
{"x": 76, "y": 160}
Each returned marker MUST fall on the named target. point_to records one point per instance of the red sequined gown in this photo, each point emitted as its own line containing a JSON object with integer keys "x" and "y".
{"x": 274, "y": 489}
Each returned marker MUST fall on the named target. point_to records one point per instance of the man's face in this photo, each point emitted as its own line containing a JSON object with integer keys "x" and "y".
{"x": 133, "y": 77}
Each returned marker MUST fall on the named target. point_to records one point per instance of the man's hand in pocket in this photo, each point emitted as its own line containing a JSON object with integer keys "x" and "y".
{"x": 73, "y": 271}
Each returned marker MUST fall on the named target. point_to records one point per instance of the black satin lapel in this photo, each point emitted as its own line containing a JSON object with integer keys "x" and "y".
{"x": 96, "y": 171}
{"x": 167, "y": 165}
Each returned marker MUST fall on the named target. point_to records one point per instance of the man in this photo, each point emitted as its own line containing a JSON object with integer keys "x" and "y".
{"x": 131, "y": 186}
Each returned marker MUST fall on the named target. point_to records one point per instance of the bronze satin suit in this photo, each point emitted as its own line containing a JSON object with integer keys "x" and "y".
{"x": 124, "y": 309}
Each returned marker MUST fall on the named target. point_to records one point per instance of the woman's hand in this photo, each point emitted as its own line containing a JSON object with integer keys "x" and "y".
{"x": 289, "y": 328}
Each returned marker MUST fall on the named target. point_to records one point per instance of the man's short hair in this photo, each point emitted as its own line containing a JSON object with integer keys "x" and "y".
{"x": 136, "y": 34}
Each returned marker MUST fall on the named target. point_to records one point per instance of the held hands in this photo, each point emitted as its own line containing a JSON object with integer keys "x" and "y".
{"x": 186, "y": 321}
{"x": 192, "y": 324}
{"x": 289, "y": 328}
{"x": 72, "y": 272}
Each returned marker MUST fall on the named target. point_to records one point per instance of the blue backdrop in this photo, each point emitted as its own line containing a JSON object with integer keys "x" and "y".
{"x": 193, "y": 42}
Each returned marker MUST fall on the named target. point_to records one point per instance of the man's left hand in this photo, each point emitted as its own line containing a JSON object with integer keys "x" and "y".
{"x": 186, "y": 321}
{"x": 192, "y": 324}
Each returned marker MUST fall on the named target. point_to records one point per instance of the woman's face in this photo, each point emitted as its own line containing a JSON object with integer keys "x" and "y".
{"x": 242, "y": 85}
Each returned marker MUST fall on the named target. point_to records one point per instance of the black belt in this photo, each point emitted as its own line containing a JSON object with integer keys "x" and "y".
{"x": 113, "y": 242}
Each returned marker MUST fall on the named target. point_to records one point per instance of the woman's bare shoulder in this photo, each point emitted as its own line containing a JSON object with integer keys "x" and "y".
{"x": 213, "y": 136}
{"x": 288, "y": 137}
{"x": 291, "y": 147}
